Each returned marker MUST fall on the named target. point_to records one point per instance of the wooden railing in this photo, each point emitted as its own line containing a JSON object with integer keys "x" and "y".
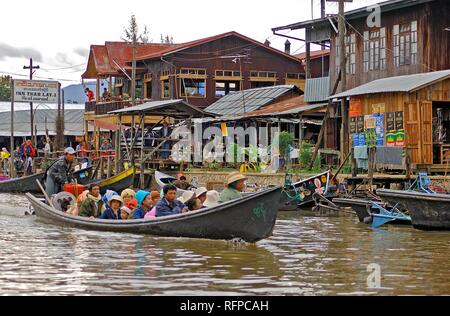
{"x": 101, "y": 108}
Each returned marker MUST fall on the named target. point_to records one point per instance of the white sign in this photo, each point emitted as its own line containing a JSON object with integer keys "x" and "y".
{"x": 35, "y": 91}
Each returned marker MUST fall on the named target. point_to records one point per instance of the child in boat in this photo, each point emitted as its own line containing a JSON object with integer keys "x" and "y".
{"x": 92, "y": 206}
{"x": 128, "y": 196}
{"x": 106, "y": 197}
{"x": 169, "y": 205}
{"x": 112, "y": 211}
{"x": 156, "y": 196}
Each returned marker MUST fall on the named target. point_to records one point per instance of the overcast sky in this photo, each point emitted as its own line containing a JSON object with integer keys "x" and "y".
{"x": 58, "y": 34}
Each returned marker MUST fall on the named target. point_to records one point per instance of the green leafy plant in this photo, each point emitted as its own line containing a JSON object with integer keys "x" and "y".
{"x": 285, "y": 141}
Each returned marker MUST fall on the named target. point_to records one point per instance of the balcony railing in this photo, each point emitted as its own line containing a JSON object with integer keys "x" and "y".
{"x": 102, "y": 108}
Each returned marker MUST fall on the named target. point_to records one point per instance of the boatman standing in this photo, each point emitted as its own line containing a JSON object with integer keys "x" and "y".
{"x": 58, "y": 174}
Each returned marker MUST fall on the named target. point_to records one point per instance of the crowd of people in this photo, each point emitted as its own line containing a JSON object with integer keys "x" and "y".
{"x": 146, "y": 205}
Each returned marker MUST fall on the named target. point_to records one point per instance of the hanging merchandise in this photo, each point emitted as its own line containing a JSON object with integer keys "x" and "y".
{"x": 371, "y": 138}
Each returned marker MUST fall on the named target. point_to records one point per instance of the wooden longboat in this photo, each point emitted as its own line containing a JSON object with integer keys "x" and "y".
{"x": 250, "y": 218}
{"x": 28, "y": 183}
{"x": 116, "y": 183}
{"x": 21, "y": 185}
{"x": 427, "y": 211}
{"x": 300, "y": 194}
{"x": 163, "y": 179}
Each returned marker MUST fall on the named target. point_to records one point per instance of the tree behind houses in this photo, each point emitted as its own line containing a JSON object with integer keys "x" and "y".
{"x": 5, "y": 88}
{"x": 166, "y": 39}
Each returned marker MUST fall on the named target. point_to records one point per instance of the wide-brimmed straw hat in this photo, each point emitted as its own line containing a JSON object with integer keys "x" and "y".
{"x": 187, "y": 195}
{"x": 200, "y": 191}
{"x": 235, "y": 176}
{"x": 212, "y": 199}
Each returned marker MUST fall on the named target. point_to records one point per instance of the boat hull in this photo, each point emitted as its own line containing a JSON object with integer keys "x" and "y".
{"x": 427, "y": 211}
{"x": 308, "y": 188}
{"x": 250, "y": 218}
{"x": 118, "y": 183}
{"x": 22, "y": 185}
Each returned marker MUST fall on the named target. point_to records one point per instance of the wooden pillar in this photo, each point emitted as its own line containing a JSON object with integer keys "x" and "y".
{"x": 308, "y": 60}
{"x": 118, "y": 150}
{"x": 142, "y": 169}
{"x": 371, "y": 170}
{"x": 97, "y": 89}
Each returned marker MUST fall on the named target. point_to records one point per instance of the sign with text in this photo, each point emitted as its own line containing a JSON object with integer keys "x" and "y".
{"x": 355, "y": 106}
{"x": 35, "y": 91}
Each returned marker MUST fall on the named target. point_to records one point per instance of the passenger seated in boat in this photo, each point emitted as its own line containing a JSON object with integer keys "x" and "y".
{"x": 156, "y": 196}
{"x": 112, "y": 211}
{"x": 212, "y": 199}
{"x": 75, "y": 209}
{"x": 235, "y": 185}
{"x": 93, "y": 204}
{"x": 106, "y": 197}
{"x": 188, "y": 199}
{"x": 200, "y": 193}
{"x": 128, "y": 195}
{"x": 182, "y": 183}
{"x": 145, "y": 205}
{"x": 169, "y": 205}
{"x": 58, "y": 174}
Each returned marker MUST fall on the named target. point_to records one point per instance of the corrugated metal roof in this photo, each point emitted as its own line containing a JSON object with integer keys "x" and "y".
{"x": 407, "y": 83}
{"x": 73, "y": 118}
{"x": 314, "y": 54}
{"x": 354, "y": 14}
{"x": 317, "y": 89}
{"x": 172, "y": 108}
{"x": 254, "y": 99}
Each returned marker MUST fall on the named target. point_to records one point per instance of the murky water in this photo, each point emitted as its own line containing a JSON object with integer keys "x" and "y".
{"x": 307, "y": 255}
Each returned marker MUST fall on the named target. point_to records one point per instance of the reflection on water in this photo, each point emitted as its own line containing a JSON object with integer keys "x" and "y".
{"x": 307, "y": 255}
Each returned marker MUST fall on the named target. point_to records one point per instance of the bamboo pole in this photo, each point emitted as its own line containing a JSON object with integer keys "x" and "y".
{"x": 325, "y": 119}
{"x": 142, "y": 169}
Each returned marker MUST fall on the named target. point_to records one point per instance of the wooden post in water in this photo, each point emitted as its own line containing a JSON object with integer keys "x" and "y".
{"x": 371, "y": 166}
{"x": 108, "y": 167}
{"x": 102, "y": 170}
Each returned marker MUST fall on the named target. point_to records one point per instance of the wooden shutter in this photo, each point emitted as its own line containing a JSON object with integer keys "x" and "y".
{"x": 426, "y": 108}
{"x": 412, "y": 131}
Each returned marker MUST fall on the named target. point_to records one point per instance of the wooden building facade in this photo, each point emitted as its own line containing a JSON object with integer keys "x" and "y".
{"x": 203, "y": 71}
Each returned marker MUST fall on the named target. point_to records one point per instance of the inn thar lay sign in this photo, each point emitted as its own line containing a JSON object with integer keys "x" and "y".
{"x": 35, "y": 91}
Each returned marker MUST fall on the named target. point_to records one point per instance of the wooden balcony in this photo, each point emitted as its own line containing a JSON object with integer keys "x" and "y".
{"x": 101, "y": 108}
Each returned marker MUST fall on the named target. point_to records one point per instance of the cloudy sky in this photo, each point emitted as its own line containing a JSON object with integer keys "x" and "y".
{"x": 57, "y": 34}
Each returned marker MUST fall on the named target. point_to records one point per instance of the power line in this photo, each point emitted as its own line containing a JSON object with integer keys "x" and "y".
{"x": 39, "y": 77}
{"x": 68, "y": 67}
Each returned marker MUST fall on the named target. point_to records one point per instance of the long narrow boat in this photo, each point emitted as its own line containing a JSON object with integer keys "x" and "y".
{"x": 250, "y": 218}
{"x": 28, "y": 183}
{"x": 163, "y": 179}
{"x": 21, "y": 185}
{"x": 301, "y": 193}
{"x": 367, "y": 210}
{"x": 428, "y": 211}
{"x": 116, "y": 183}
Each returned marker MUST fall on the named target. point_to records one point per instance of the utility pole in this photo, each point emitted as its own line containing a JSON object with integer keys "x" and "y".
{"x": 31, "y": 68}
{"x": 343, "y": 66}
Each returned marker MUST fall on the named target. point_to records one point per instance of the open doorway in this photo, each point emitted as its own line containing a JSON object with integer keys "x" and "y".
{"x": 441, "y": 131}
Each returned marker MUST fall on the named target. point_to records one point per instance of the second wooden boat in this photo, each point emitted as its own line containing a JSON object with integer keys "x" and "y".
{"x": 428, "y": 211}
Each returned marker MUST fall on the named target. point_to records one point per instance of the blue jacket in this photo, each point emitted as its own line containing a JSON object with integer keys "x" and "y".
{"x": 108, "y": 214}
{"x": 139, "y": 213}
{"x": 163, "y": 208}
